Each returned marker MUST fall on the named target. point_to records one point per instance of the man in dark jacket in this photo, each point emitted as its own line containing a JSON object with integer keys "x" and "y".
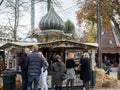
{"x": 22, "y": 61}
{"x": 34, "y": 64}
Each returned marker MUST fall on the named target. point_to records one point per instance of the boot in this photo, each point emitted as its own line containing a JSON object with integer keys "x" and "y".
{"x": 67, "y": 88}
{"x": 72, "y": 88}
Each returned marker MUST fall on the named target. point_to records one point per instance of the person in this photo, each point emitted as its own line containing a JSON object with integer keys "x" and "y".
{"x": 34, "y": 65}
{"x": 107, "y": 63}
{"x": 44, "y": 73}
{"x": 21, "y": 63}
{"x": 70, "y": 65}
{"x": 107, "y": 66}
{"x": 1, "y": 64}
{"x": 85, "y": 73}
{"x": 16, "y": 61}
{"x": 58, "y": 67}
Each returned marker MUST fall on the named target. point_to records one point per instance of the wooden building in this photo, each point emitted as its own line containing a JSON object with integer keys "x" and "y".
{"x": 110, "y": 44}
{"x": 53, "y": 40}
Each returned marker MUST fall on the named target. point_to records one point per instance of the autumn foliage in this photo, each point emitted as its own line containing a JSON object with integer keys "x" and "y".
{"x": 108, "y": 9}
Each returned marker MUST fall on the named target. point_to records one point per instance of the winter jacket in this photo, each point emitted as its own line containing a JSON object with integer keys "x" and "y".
{"x": 34, "y": 63}
{"x": 70, "y": 63}
{"x": 22, "y": 62}
{"x": 45, "y": 62}
{"x": 58, "y": 68}
{"x": 85, "y": 73}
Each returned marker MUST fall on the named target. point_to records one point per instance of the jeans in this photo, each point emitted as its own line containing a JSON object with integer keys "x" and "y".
{"x": 24, "y": 81}
{"x": 31, "y": 79}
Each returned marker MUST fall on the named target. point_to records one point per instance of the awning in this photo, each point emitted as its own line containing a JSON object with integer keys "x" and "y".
{"x": 16, "y": 45}
{"x": 54, "y": 44}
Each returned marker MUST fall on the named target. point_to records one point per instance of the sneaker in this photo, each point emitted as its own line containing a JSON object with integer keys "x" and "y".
{"x": 83, "y": 88}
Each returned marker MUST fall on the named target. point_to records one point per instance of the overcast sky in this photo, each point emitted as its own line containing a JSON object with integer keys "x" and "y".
{"x": 67, "y": 11}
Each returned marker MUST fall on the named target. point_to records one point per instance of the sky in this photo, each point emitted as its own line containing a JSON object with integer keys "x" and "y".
{"x": 68, "y": 11}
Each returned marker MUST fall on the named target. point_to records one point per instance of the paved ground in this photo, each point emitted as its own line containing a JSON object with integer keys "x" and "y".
{"x": 105, "y": 89}
{"x": 113, "y": 74}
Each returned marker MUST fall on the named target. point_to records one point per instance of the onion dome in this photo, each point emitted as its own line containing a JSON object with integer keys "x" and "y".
{"x": 51, "y": 21}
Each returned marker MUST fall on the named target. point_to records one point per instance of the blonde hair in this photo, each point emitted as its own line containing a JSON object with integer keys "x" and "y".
{"x": 86, "y": 55}
{"x": 70, "y": 56}
{"x": 35, "y": 47}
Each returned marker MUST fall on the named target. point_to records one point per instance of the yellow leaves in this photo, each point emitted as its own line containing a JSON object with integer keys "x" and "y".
{"x": 89, "y": 11}
{"x": 91, "y": 33}
{"x": 91, "y": 38}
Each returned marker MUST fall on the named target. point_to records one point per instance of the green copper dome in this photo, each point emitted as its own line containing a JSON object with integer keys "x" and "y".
{"x": 51, "y": 21}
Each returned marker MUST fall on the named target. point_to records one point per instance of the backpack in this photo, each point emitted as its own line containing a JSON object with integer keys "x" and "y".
{"x": 63, "y": 76}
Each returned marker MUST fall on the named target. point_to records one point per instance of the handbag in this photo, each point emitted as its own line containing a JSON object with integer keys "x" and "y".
{"x": 63, "y": 76}
{"x": 78, "y": 68}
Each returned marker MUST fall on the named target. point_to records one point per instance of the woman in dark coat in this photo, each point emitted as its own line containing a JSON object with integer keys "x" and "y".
{"x": 85, "y": 73}
{"x": 58, "y": 68}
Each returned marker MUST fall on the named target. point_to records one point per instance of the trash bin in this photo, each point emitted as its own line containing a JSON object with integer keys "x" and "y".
{"x": 118, "y": 72}
{"x": 93, "y": 79}
{"x": 9, "y": 77}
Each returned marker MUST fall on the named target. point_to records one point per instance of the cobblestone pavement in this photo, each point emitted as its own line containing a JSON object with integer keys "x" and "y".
{"x": 113, "y": 74}
{"x": 105, "y": 89}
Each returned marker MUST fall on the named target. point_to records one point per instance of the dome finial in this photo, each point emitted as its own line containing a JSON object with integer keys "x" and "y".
{"x": 51, "y": 21}
{"x": 50, "y": 3}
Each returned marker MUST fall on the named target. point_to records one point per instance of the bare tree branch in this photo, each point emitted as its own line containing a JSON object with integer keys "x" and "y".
{"x": 1, "y": 2}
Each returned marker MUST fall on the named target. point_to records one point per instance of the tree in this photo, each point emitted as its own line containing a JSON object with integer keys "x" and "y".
{"x": 91, "y": 32}
{"x": 109, "y": 8}
{"x": 1, "y": 1}
{"x": 56, "y": 2}
{"x": 14, "y": 11}
{"x": 16, "y": 19}
{"x": 69, "y": 27}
